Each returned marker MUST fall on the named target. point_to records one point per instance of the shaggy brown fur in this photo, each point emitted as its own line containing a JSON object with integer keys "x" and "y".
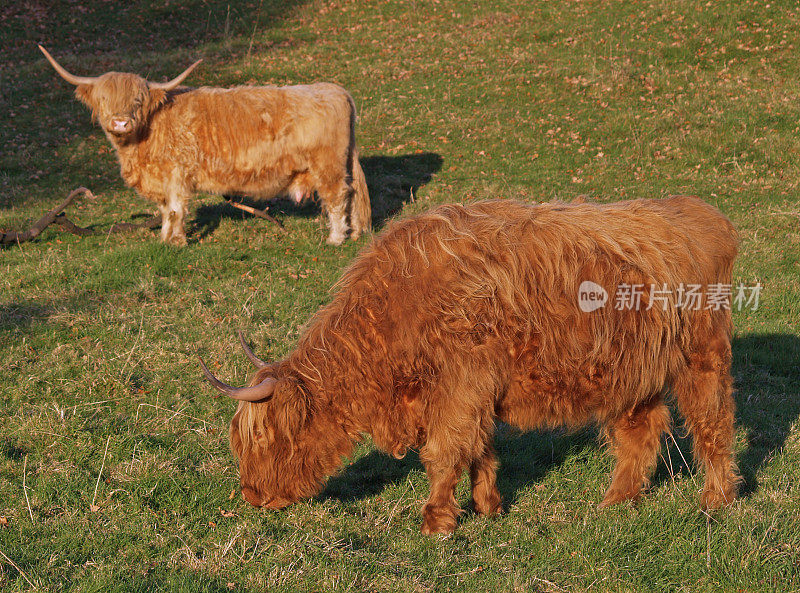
{"x": 257, "y": 141}
{"x": 464, "y": 315}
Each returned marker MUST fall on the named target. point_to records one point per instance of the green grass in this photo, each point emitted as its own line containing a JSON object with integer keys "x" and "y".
{"x": 458, "y": 101}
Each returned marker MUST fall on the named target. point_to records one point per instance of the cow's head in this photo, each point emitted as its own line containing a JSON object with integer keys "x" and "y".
{"x": 121, "y": 102}
{"x": 281, "y": 460}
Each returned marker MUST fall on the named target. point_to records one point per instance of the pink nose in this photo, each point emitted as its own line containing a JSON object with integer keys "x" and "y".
{"x": 119, "y": 125}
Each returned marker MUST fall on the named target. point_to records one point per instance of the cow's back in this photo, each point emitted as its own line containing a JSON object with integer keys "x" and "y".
{"x": 499, "y": 281}
{"x": 251, "y": 139}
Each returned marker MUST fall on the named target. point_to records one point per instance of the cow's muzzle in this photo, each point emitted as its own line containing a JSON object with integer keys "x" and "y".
{"x": 120, "y": 125}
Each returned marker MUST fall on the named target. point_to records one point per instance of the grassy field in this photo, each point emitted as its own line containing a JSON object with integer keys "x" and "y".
{"x": 115, "y": 471}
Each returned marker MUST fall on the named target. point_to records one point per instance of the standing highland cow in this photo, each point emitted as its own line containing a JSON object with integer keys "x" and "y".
{"x": 467, "y": 314}
{"x": 259, "y": 141}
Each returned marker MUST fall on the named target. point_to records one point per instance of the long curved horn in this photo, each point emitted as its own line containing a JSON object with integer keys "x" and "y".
{"x": 70, "y": 78}
{"x": 168, "y": 86}
{"x": 255, "y": 393}
{"x": 249, "y": 353}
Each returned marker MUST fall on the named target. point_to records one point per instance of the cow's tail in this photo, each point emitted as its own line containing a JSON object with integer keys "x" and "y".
{"x": 360, "y": 208}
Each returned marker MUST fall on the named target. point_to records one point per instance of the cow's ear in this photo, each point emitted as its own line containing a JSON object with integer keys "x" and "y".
{"x": 84, "y": 93}
{"x": 157, "y": 98}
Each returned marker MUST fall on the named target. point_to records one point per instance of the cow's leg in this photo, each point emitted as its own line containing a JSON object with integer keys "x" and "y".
{"x": 172, "y": 204}
{"x": 334, "y": 195}
{"x": 166, "y": 221}
{"x": 458, "y": 436}
{"x": 177, "y": 214}
{"x": 337, "y": 218}
{"x": 486, "y": 499}
{"x": 456, "y": 441}
{"x": 705, "y": 399}
{"x": 441, "y": 509}
{"x": 635, "y": 441}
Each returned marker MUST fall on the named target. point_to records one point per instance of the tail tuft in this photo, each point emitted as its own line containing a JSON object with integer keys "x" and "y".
{"x": 360, "y": 208}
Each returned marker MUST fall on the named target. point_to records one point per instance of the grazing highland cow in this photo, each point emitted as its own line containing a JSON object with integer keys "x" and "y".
{"x": 259, "y": 141}
{"x": 459, "y": 317}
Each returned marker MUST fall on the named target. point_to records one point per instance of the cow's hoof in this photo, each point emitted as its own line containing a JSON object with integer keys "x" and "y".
{"x": 491, "y": 507}
{"x": 429, "y": 528}
{"x": 614, "y": 496}
{"x": 714, "y": 499}
{"x": 437, "y": 521}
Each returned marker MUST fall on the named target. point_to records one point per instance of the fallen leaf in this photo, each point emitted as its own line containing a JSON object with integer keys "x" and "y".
{"x": 232, "y": 494}
{"x": 226, "y": 514}
{"x": 3, "y": 521}
{"x": 94, "y": 508}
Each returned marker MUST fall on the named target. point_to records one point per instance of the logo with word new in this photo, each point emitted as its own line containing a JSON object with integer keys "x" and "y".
{"x": 591, "y": 296}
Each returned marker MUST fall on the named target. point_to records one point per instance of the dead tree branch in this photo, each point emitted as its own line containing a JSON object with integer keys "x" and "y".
{"x": 11, "y": 237}
{"x": 57, "y": 216}
{"x": 254, "y": 211}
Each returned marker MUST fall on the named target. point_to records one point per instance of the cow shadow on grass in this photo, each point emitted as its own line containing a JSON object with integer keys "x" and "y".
{"x": 525, "y": 458}
{"x": 208, "y": 217}
{"x": 392, "y": 180}
{"x": 369, "y": 476}
{"x": 767, "y": 377}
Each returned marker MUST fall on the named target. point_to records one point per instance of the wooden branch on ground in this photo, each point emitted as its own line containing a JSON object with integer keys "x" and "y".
{"x": 10, "y": 237}
{"x": 254, "y": 211}
{"x": 57, "y": 216}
